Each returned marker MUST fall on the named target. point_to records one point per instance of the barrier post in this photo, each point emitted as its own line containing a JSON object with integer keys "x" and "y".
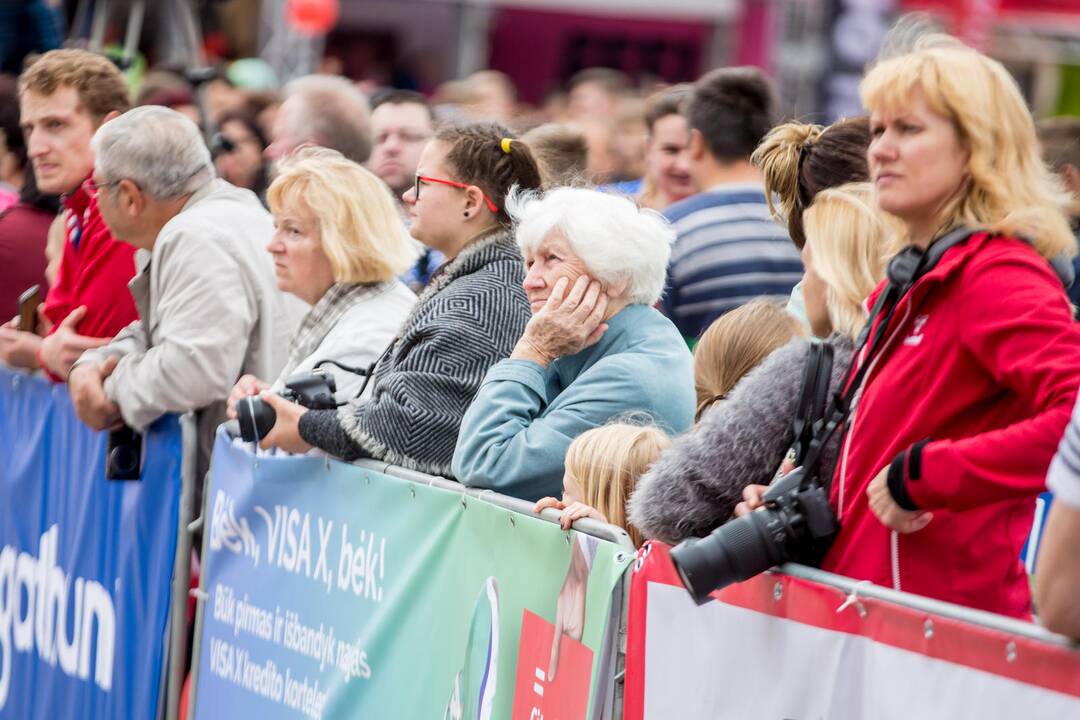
{"x": 197, "y": 525}
{"x": 178, "y": 622}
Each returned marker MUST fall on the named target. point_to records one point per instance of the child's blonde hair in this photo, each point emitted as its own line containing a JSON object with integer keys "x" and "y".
{"x": 734, "y": 344}
{"x": 607, "y": 461}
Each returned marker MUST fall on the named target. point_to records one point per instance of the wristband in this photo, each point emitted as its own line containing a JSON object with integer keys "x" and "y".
{"x": 896, "y": 483}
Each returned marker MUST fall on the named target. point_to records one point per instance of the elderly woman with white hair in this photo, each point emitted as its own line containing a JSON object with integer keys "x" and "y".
{"x": 594, "y": 350}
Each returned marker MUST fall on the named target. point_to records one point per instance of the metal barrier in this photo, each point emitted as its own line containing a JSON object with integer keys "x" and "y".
{"x": 612, "y": 707}
{"x": 801, "y": 642}
{"x": 235, "y": 469}
{"x": 181, "y": 584}
{"x": 969, "y": 616}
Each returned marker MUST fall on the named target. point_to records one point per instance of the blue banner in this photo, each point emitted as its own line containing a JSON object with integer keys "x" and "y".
{"x": 86, "y": 563}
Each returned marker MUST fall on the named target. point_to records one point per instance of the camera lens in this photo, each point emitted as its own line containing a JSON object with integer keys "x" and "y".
{"x": 124, "y": 461}
{"x": 737, "y": 550}
{"x": 256, "y": 418}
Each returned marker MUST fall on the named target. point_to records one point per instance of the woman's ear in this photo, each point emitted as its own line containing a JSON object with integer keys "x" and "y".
{"x": 474, "y": 201}
{"x": 616, "y": 289}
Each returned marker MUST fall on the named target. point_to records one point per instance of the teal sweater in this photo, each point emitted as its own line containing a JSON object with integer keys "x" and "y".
{"x": 516, "y": 432}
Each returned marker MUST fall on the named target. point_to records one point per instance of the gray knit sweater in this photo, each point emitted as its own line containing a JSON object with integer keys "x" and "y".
{"x": 696, "y": 484}
{"x": 468, "y": 318}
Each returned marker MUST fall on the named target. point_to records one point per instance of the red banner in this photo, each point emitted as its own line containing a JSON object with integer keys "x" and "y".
{"x": 778, "y": 646}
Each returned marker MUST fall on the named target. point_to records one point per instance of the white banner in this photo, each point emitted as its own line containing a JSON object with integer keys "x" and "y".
{"x": 776, "y": 647}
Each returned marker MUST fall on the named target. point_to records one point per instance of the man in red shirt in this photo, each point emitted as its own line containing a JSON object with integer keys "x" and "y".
{"x": 64, "y": 97}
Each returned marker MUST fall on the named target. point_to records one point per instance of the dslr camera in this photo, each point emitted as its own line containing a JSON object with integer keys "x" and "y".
{"x": 796, "y": 523}
{"x": 314, "y": 390}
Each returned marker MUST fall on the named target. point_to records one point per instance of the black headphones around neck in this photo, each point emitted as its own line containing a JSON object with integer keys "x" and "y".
{"x": 913, "y": 262}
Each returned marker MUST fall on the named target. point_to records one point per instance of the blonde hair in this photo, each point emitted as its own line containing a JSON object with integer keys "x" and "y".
{"x": 361, "y": 230}
{"x": 607, "y": 461}
{"x": 1010, "y": 190}
{"x": 734, "y": 344}
{"x": 850, "y": 240}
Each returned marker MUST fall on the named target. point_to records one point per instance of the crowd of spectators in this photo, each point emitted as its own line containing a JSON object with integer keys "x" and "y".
{"x": 511, "y": 299}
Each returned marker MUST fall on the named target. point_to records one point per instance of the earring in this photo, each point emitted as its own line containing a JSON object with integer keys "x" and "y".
{"x": 466, "y": 214}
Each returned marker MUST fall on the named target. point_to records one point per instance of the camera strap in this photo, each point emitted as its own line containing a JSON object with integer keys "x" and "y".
{"x": 840, "y": 404}
{"x": 370, "y": 372}
{"x": 813, "y": 397}
{"x": 903, "y": 272}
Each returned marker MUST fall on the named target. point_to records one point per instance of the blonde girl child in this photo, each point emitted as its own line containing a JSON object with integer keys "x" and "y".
{"x": 602, "y": 468}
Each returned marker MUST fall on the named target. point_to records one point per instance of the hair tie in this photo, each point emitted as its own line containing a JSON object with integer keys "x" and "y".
{"x": 505, "y": 145}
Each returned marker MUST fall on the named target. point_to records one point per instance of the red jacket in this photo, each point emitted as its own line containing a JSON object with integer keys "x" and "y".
{"x": 981, "y": 361}
{"x": 95, "y": 273}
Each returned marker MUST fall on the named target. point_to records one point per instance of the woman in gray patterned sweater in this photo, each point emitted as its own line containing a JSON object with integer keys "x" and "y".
{"x": 468, "y": 317}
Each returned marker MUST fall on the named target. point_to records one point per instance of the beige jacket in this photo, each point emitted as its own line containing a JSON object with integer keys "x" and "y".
{"x": 209, "y": 312}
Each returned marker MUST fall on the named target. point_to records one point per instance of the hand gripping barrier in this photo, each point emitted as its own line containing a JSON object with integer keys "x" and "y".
{"x": 93, "y": 572}
{"x": 368, "y": 590}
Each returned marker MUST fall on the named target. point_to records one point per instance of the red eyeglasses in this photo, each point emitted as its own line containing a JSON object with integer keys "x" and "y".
{"x": 464, "y": 186}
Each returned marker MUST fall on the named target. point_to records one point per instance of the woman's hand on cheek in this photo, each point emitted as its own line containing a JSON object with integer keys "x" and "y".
{"x": 285, "y": 434}
{"x": 570, "y": 321}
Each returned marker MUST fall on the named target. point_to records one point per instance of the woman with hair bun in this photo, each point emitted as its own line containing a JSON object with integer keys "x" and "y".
{"x": 799, "y": 160}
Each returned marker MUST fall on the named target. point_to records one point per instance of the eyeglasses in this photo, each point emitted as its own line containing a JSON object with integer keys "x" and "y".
{"x": 92, "y": 188}
{"x": 464, "y": 186}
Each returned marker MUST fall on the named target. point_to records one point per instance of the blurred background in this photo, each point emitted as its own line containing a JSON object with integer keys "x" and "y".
{"x": 815, "y": 49}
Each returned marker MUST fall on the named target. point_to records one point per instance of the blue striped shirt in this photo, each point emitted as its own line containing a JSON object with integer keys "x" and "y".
{"x": 728, "y": 251}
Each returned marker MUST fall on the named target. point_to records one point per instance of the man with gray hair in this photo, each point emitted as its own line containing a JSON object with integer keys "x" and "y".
{"x": 324, "y": 110}
{"x": 209, "y": 309}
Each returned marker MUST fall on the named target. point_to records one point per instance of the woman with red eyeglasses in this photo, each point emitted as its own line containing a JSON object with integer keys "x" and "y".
{"x": 468, "y": 317}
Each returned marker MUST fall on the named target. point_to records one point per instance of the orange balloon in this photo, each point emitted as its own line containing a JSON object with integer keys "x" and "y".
{"x": 313, "y": 17}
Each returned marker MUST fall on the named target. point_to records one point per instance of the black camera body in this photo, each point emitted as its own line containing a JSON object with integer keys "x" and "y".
{"x": 123, "y": 457}
{"x": 796, "y": 523}
{"x": 314, "y": 390}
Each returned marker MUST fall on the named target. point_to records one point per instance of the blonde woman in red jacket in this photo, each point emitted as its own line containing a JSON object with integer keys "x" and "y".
{"x": 972, "y": 385}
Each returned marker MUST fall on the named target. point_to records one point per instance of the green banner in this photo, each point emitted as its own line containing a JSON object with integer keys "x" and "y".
{"x": 333, "y": 591}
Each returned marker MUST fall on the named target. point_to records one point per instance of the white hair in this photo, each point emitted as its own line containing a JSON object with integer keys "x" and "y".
{"x": 156, "y": 148}
{"x": 618, "y": 242}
